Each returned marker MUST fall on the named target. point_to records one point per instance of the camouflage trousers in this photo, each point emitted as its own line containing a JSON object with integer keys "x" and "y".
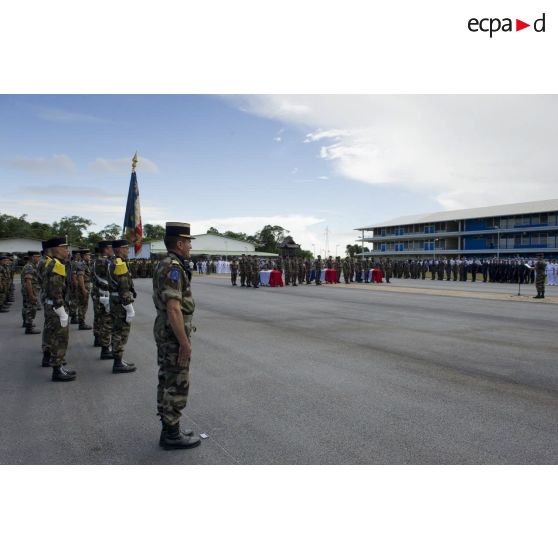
{"x": 73, "y": 303}
{"x": 28, "y": 312}
{"x": 56, "y": 335}
{"x": 120, "y": 328}
{"x": 539, "y": 283}
{"x": 174, "y": 380}
{"x": 233, "y": 277}
{"x": 104, "y": 321}
{"x": 45, "y": 341}
{"x": 83, "y": 304}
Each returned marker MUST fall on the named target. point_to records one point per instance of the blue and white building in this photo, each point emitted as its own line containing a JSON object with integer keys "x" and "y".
{"x": 523, "y": 229}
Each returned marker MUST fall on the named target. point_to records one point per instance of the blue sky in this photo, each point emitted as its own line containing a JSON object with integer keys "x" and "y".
{"x": 303, "y": 162}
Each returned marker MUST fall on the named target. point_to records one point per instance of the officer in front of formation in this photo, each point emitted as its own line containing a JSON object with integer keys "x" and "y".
{"x": 55, "y": 292}
{"x": 172, "y": 296}
{"x": 540, "y": 270}
{"x": 121, "y": 289}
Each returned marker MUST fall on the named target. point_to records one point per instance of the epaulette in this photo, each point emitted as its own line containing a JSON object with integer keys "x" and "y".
{"x": 120, "y": 267}
{"x": 59, "y": 268}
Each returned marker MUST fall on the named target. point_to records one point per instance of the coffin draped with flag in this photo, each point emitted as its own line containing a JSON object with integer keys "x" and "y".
{"x": 132, "y": 220}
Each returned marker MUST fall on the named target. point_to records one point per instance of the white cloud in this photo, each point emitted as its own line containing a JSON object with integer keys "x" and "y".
{"x": 278, "y": 139}
{"x": 323, "y": 177}
{"x": 325, "y": 134}
{"x": 55, "y": 164}
{"x": 460, "y": 150}
{"x": 122, "y": 166}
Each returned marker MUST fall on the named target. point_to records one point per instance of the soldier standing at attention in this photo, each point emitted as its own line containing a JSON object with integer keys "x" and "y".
{"x": 387, "y": 269}
{"x": 338, "y": 269}
{"x": 31, "y": 292}
{"x": 255, "y": 272}
{"x": 540, "y": 270}
{"x": 234, "y": 271}
{"x": 346, "y": 269}
{"x": 96, "y": 310}
{"x": 73, "y": 291}
{"x": 56, "y": 309}
{"x": 121, "y": 305}
{"x": 242, "y": 270}
{"x": 84, "y": 287}
{"x": 287, "y": 263}
{"x": 101, "y": 280}
{"x": 172, "y": 296}
{"x": 318, "y": 267}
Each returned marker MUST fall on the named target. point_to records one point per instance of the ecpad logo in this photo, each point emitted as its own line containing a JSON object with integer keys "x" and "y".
{"x": 493, "y": 25}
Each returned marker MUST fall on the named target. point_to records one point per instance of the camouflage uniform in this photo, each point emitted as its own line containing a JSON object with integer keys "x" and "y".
{"x": 55, "y": 293}
{"x": 540, "y": 269}
{"x": 234, "y": 271}
{"x": 171, "y": 280}
{"x": 29, "y": 271}
{"x": 84, "y": 271}
{"x": 120, "y": 287}
{"x": 104, "y": 317}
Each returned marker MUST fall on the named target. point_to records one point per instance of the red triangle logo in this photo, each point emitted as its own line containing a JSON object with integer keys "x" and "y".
{"x": 519, "y": 25}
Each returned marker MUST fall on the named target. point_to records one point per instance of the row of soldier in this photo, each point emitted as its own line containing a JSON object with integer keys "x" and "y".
{"x": 61, "y": 286}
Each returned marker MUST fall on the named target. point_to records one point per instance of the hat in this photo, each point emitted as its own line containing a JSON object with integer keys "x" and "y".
{"x": 84, "y": 251}
{"x": 33, "y": 253}
{"x": 123, "y": 243}
{"x": 540, "y": 255}
{"x": 55, "y": 242}
{"x": 105, "y": 243}
{"x": 178, "y": 229}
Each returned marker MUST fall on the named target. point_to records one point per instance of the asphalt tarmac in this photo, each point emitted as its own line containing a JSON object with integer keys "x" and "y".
{"x": 302, "y": 375}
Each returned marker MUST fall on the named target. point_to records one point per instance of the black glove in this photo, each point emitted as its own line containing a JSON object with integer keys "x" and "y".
{"x": 134, "y": 294}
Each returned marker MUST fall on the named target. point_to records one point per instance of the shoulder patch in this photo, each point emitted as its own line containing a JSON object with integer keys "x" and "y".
{"x": 59, "y": 268}
{"x": 174, "y": 274}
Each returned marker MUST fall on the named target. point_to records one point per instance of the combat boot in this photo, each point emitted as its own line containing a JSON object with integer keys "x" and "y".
{"x": 84, "y": 327}
{"x": 74, "y": 320}
{"x": 4, "y": 309}
{"x": 121, "y": 366}
{"x": 69, "y": 371}
{"x": 96, "y": 342}
{"x": 30, "y": 330}
{"x": 173, "y": 438}
{"x": 59, "y": 374}
{"x": 164, "y": 432}
{"x": 106, "y": 354}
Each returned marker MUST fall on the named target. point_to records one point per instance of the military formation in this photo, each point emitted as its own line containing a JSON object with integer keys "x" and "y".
{"x": 300, "y": 271}
{"x": 60, "y": 285}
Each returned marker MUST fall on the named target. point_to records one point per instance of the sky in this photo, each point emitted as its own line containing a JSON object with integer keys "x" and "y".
{"x": 309, "y": 163}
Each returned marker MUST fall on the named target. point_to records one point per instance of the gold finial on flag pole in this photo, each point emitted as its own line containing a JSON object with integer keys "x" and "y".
{"x": 134, "y": 161}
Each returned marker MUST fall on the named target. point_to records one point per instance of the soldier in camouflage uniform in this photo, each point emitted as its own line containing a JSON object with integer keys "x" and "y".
{"x": 338, "y": 269}
{"x": 56, "y": 308}
{"x": 101, "y": 281}
{"x": 172, "y": 296}
{"x": 4, "y": 283}
{"x": 318, "y": 267}
{"x": 255, "y": 275}
{"x": 242, "y": 270}
{"x": 121, "y": 288}
{"x": 346, "y": 269}
{"x": 83, "y": 274}
{"x": 30, "y": 289}
{"x": 234, "y": 271}
{"x": 74, "y": 289}
{"x": 540, "y": 269}
{"x": 95, "y": 299}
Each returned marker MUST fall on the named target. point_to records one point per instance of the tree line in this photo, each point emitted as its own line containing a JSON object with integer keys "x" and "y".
{"x": 76, "y": 228}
